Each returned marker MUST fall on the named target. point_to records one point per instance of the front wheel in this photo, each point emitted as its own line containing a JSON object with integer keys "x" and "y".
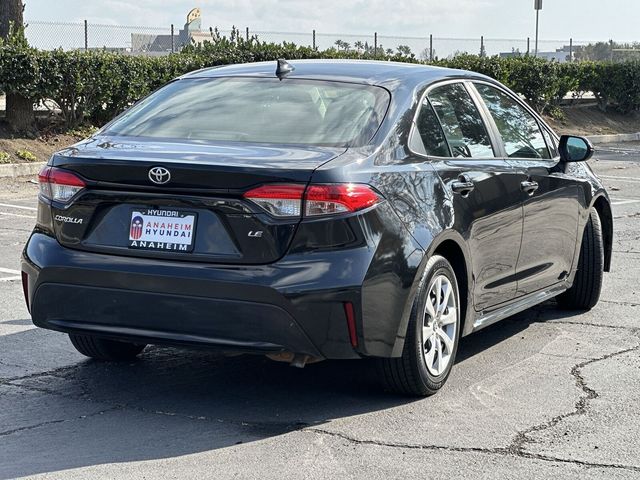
{"x": 432, "y": 335}
{"x": 104, "y": 349}
{"x": 585, "y": 292}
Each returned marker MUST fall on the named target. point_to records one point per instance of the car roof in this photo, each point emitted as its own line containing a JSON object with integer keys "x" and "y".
{"x": 368, "y": 72}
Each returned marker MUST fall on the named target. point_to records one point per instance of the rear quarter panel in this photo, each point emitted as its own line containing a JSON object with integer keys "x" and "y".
{"x": 418, "y": 212}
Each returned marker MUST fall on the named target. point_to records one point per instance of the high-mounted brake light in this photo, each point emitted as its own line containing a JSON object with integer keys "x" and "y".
{"x": 287, "y": 200}
{"x": 59, "y": 185}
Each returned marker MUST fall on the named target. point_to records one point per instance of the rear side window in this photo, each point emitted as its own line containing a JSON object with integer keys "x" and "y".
{"x": 428, "y": 127}
{"x": 519, "y": 129}
{"x": 258, "y": 110}
{"x": 461, "y": 122}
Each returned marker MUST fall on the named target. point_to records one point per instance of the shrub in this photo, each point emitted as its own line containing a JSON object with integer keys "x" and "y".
{"x": 93, "y": 87}
{"x": 26, "y": 155}
{"x": 5, "y": 157}
{"x": 82, "y": 131}
{"x": 620, "y": 82}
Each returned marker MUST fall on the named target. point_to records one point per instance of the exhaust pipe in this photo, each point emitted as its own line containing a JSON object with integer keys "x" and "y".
{"x": 297, "y": 360}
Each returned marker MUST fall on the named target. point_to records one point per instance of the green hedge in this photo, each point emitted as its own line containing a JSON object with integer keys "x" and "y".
{"x": 95, "y": 86}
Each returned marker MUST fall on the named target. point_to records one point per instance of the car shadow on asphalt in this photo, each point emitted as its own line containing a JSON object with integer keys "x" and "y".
{"x": 176, "y": 402}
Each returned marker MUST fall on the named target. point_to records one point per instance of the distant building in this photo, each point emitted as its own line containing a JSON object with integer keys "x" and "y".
{"x": 561, "y": 55}
{"x": 191, "y": 33}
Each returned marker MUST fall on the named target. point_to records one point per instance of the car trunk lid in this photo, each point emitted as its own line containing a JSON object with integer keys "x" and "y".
{"x": 199, "y": 214}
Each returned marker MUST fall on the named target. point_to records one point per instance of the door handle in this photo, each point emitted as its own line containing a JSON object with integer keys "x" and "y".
{"x": 529, "y": 187}
{"x": 463, "y": 186}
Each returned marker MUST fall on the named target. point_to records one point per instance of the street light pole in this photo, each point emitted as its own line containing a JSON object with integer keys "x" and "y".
{"x": 538, "y": 6}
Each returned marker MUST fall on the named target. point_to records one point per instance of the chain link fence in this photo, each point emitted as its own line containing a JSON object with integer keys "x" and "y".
{"x": 137, "y": 40}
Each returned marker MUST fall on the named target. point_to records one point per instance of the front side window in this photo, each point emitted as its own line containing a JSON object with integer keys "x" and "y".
{"x": 258, "y": 110}
{"x": 551, "y": 143}
{"x": 461, "y": 122}
{"x": 520, "y": 131}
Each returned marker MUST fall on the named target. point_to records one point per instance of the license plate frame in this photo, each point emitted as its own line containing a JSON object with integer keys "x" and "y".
{"x": 162, "y": 229}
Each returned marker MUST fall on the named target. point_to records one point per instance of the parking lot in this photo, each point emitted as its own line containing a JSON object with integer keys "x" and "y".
{"x": 547, "y": 393}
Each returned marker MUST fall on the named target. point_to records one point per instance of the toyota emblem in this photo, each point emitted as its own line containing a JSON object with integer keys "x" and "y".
{"x": 159, "y": 175}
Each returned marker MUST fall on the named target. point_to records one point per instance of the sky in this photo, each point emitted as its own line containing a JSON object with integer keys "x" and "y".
{"x": 559, "y": 19}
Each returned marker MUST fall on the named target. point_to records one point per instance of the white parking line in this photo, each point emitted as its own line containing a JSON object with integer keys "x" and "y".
{"x": 8, "y": 270}
{"x": 19, "y": 207}
{"x": 624, "y": 202}
{"x": 17, "y": 215}
{"x": 621, "y": 179}
{"x": 15, "y": 274}
{"x": 9, "y": 279}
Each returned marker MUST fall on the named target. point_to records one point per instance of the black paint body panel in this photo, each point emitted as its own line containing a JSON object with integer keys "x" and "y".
{"x": 287, "y": 292}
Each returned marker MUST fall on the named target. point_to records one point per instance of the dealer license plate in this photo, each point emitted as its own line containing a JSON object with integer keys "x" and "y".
{"x": 159, "y": 229}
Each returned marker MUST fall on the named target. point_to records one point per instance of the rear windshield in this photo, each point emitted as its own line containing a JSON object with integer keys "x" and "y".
{"x": 260, "y": 110}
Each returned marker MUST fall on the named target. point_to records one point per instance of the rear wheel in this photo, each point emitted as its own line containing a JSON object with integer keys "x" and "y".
{"x": 104, "y": 349}
{"x": 432, "y": 335}
{"x": 585, "y": 292}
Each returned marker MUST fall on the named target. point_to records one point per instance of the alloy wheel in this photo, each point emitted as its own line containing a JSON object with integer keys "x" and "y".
{"x": 439, "y": 325}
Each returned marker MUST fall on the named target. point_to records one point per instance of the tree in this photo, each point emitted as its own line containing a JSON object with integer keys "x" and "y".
{"x": 404, "y": 50}
{"x": 607, "y": 51}
{"x": 483, "y": 50}
{"x": 426, "y": 54}
{"x": 341, "y": 44}
{"x": 19, "y": 113}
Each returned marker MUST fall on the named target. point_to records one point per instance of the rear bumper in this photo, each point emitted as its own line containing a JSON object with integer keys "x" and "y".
{"x": 169, "y": 318}
{"x": 294, "y": 305}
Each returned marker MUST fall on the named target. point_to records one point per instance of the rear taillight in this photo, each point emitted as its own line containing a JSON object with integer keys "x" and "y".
{"x": 278, "y": 200}
{"x": 291, "y": 200}
{"x": 338, "y": 198}
{"x": 59, "y": 185}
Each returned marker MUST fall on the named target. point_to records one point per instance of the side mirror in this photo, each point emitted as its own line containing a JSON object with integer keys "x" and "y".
{"x": 575, "y": 149}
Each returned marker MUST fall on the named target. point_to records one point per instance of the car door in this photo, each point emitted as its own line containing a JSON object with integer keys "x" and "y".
{"x": 550, "y": 198}
{"x": 484, "y": 188}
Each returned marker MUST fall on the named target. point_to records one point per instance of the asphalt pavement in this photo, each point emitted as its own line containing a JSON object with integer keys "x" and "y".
{"x": 547, "y": 393}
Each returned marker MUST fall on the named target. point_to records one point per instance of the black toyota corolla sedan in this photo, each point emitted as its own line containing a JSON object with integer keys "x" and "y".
{"x": 311, "y": 210}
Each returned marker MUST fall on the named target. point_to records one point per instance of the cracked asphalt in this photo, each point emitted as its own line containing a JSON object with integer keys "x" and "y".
{"x": 547, "y": 393}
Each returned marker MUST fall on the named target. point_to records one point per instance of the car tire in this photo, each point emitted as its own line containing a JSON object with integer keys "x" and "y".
{"x": 427, "y": 359}
{"x": 587, "y": 284}
{"x": 104, "y": 349}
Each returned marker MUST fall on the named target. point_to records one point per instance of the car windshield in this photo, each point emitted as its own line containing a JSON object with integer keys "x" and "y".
{"x": 260, "y": 110}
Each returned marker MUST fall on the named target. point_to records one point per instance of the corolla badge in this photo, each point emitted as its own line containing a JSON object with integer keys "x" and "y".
{"x": 159, "y": 175}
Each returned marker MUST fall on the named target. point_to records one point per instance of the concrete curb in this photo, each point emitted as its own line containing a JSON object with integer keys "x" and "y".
{"x": 13, "y": 170}
{"x": 619, "y": 138}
